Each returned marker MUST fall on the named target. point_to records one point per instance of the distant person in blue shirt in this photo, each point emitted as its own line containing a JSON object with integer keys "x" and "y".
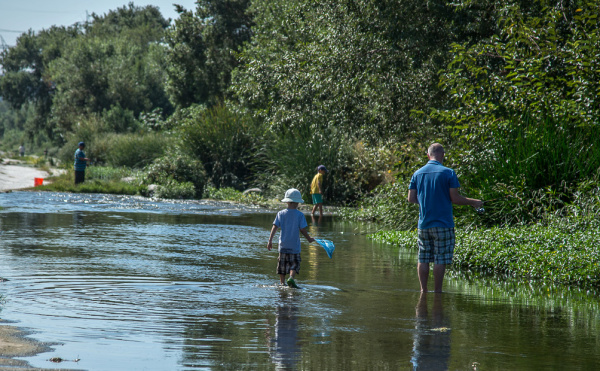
{"x": 292, "y": 222}
{"x": 80, "y": 163}
{"x": 435, "y": 188}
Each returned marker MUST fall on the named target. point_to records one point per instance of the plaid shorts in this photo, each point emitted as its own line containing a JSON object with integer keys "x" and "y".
{"x": 436, "y": 245}
{"x": 288, "y": 262}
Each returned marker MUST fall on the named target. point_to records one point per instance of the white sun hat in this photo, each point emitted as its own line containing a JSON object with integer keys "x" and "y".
{"x": 293, "y": 195}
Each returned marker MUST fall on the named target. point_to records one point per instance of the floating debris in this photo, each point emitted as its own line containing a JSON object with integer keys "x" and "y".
{"x": 59, "y": 360}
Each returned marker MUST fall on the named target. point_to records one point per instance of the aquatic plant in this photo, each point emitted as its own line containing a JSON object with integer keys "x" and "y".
{"x": 559, "y": 251}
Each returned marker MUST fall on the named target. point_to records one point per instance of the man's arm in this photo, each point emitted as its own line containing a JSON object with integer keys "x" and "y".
{"x": 459, "y": 199}
{"x": 412, "y": 196}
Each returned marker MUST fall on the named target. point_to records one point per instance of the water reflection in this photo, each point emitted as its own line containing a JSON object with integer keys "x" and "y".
{"x": 285, "y": 347}
{"x": 431, "y": 345}
{"x": 317, "y": 221}
{"x": 131, "y": 284}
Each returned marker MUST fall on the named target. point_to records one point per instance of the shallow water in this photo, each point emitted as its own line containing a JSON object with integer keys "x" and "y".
{"x": 127, "y": 283}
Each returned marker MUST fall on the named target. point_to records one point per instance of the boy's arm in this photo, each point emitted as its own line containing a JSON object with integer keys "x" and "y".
{"x": 270, "y": 244}
{"x": 305, "y": 234}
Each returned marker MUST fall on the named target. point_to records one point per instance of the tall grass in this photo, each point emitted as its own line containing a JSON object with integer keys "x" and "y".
{"x": 531, "y": 168}
{"x": 132, "y": 150}
{"x": 537, "y": 153}
{"x": 529, "y": 171}
{"x": 223, "y": 141}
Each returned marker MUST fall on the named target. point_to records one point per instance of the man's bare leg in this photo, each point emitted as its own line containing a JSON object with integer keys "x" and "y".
{"x": 438, "y": 276}
{"x": 423, "y": 271}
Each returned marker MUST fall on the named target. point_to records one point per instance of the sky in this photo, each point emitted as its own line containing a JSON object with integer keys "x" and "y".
{"x": 18, "y": 16}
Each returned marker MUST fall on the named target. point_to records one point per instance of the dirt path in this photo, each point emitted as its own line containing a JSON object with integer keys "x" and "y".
{"x": 13, "y": 177}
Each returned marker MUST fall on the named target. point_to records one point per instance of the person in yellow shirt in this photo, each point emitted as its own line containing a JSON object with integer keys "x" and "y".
{"x": 316, "y": 190}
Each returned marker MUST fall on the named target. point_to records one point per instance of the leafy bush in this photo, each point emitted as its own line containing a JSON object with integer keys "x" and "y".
{"x": 119, "y": 120}
{"x": 175, "y": 170}
{"x": 387, "y": 206}
{"x": 170, "y": 188}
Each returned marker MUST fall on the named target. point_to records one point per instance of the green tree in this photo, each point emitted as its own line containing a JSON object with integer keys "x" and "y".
{"x": 116, "y": 60}
{"x": 203, "y": 46}
{"x": 26, "y": 79}
{"x": 362, "y": 66}
{"x": 526, "y": 99}
{"x": 116, "y": 65}
{"x": 542, "y": 62}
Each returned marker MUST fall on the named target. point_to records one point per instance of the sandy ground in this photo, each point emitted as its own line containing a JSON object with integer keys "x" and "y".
{"x": 13, "y": 177}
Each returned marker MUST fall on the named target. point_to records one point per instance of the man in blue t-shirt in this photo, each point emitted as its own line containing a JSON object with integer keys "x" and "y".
{"x": 435, "y": 188}
{"x": 80, "y": 163}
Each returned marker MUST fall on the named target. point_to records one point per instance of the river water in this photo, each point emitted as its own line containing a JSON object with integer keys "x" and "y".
{"x": 128, "y": 283}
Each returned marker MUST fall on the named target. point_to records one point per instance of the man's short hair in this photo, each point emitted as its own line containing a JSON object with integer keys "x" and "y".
{"x": 435, "y": 149}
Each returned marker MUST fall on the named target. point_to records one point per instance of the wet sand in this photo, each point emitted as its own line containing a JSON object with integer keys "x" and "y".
{"x": 14, "y": 344}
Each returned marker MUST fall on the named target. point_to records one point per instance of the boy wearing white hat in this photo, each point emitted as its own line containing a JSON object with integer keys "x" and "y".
{"x": 292, "y": 222}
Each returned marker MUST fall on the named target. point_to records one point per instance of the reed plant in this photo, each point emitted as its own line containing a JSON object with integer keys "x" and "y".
{"x": 529, "y": 167}
{"x": 109, "y": 173}
{"x": 538, "y": 152}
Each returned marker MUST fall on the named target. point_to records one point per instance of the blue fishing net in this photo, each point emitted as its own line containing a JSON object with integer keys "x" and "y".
{"x": 327, "y": 245}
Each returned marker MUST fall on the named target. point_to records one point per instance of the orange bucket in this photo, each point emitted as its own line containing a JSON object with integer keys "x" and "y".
{"x": 38, "y": 182}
